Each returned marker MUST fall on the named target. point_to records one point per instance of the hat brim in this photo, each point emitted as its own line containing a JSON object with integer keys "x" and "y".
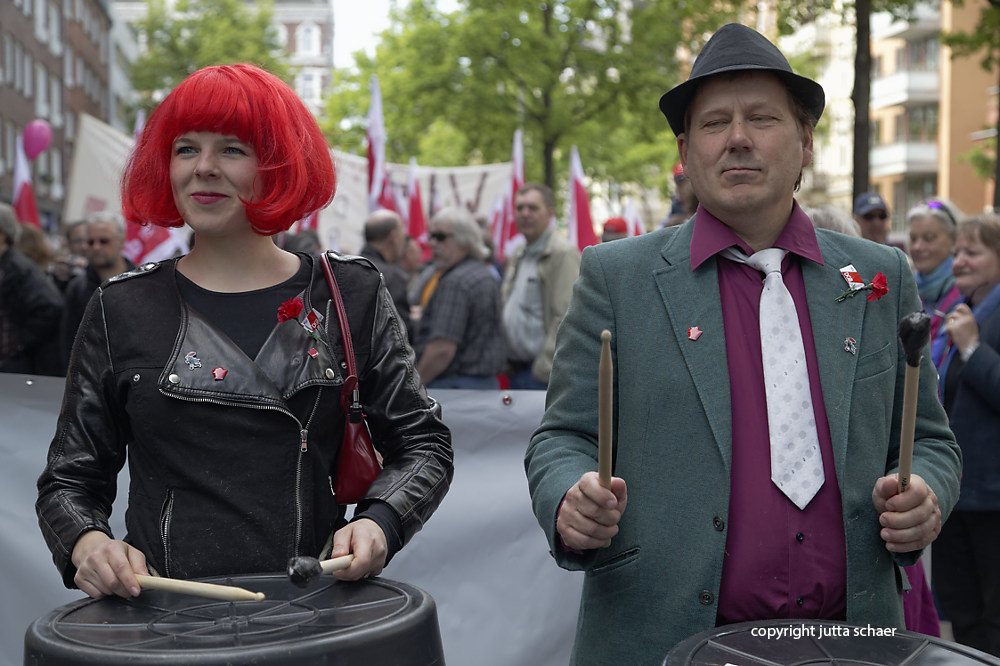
{"x": 674, "y": 103}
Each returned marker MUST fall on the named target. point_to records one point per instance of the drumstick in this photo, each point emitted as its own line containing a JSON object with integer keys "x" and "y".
{"x": 914, "y": 331}
{"x": 303, "y": 570}
{"x": 208, "y": 590}
{"x": 604, "y": 411}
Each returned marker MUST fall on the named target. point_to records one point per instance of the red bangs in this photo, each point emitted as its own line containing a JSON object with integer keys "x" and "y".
{"x": 295, "y": 171}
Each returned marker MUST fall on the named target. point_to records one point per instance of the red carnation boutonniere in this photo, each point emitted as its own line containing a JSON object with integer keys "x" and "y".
{"x": 293, "y": 308}
{"x": 877, "y": 288}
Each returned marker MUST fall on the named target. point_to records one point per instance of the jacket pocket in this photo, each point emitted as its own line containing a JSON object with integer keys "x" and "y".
{"x": 876, "y": 362}
{"x": 615, "y": 562}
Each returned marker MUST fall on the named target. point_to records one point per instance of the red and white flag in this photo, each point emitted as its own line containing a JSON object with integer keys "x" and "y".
{"x": 580, "y": 226}
{"x": 148, "y": 242}
{"x": 505, "y": 229}
{"x": 632, "y": 220}
{"x": 380, "y": 189}
{"x": 24, "y": 195}
{"x": 417, "y": 222}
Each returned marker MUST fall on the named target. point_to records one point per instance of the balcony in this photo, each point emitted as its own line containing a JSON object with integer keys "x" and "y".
{"x": 906, "y": 89}
{"x": 903, "y": 158}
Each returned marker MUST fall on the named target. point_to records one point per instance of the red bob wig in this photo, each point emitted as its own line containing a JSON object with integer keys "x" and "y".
{"x": 295, "y": 173}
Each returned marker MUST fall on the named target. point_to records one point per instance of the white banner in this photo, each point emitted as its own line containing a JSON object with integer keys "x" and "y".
{"x": 102, "y": 151}
{"x": 501, "y": 599}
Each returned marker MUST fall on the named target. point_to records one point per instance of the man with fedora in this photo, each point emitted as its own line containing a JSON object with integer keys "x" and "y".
{"x": 736, "y": 495}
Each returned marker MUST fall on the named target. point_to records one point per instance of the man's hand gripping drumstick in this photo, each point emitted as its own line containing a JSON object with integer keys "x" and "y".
{"x": 589, "y": 514}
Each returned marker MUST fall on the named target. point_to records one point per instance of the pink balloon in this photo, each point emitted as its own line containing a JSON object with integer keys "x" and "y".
{"x": 37, "y": 138}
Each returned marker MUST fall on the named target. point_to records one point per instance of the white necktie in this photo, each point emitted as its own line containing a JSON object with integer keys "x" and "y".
{"x": 796, "y": 463}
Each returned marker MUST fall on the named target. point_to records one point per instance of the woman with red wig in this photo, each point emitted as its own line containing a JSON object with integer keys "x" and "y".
{"x": 211, "y": 373}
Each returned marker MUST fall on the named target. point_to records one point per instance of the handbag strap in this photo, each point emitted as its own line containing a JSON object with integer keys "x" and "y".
{"x": 350, "y": 394}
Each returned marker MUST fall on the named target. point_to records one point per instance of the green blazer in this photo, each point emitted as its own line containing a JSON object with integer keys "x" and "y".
{"x": 658, "y": 582}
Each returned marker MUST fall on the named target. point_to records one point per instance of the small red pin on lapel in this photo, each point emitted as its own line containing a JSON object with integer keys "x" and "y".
{"x": 312, "y": 352}
{"x": 694, "y": 333}
{"x": 219, "y": 374}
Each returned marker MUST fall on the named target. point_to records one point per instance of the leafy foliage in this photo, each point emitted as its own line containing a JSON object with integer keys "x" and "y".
{"x": 199, "y": 33}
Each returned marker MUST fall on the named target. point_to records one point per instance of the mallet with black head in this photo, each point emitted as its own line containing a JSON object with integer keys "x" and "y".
{"x": 303, "y": 570}
{"x": 914, "y": 332}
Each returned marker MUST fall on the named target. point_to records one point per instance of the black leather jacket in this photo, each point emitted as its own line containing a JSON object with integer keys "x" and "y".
{"x": 232, "y": 475}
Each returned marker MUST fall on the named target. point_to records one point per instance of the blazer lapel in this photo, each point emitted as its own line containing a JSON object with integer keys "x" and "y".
{"x": 691, "y": 299}
{"x": 834, "y": 325}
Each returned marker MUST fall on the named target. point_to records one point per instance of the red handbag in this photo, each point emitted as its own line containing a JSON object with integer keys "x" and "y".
{"x": 357, "y": 462}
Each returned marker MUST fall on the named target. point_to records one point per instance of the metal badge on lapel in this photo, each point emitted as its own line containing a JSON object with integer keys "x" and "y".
{"x": 851, "y": 345}
{"x": 852, "y": 277}
{"x": 219, "y": 374}
{"x": 312, "y": 352}
{"x": 694, "y": 333}
{"x": 192, "y": 360}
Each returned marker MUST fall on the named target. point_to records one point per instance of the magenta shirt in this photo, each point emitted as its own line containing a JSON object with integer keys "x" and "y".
{"x": 780, "y": 562}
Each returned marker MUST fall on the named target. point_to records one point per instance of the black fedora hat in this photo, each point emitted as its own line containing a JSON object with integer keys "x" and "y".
{"x": 732, "y": 48}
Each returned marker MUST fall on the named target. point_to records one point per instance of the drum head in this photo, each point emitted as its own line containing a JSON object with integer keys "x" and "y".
{"x": 819, "y": 643}
{"x": 376, "y": 621}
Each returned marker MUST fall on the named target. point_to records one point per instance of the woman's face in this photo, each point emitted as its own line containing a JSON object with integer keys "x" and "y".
{"x": 930, "y": 243}
{"x": 976, "y": 267}
{"x": 211, "y": 174}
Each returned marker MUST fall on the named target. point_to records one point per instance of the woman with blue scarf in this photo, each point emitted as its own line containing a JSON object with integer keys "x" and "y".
{"x": 965, "y": 570}
{"x": 932, "y": 226}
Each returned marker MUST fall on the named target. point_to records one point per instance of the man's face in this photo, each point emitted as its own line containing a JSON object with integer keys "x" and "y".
{"x": 744, "y": 149}
{"x": 445, "y": 251}
{"x": 104, "y": 244}
{"x": 76, "y": 240}
{"x": 532, "y": 215}
{"x": 874, "y": 225}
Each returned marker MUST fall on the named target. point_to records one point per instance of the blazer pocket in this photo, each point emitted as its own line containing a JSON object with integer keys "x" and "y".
{"x": 876, "y": 363}
{"x": 615, "y": 562}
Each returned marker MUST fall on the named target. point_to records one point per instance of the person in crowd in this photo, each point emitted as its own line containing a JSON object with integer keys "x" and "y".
{"x": 715, "y": 514}
{"x": 385, "y": 244}
{"x": 833, "y": 218}
{"x": 412, "y": 257}
{"x": 70, "y": 260}
{"x": 30, "y": 305}
{"x": 459, "y": 339}
{"x": 871, "y": 213}
{"x": 615, "y": 228}
{"x": 35, "y": 246}
{"x": 965, "y": 573}
{"x": 932, "y": 225}
{"x": 105, "y": 234}
{"x": 216, "y": 375}
{"x": 537, "y": 286}
{"x": 685, "y": 200}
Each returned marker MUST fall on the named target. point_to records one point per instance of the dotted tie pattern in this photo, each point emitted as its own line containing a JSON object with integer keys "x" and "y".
{"x": 796, "y": 463}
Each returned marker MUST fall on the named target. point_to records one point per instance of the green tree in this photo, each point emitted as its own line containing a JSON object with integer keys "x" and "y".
{"x": 584, "y": 72}
{"x": 197, "y": 34}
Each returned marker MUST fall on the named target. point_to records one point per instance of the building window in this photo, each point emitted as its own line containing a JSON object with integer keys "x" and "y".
{"x": 55, "y": 101}
{"x": 308, "y": 85}
{"x": 55, "y": 34}
{"x": 922, "y": 124}
{"x": 42, "y": 86}
{"x": 307, "y": 39}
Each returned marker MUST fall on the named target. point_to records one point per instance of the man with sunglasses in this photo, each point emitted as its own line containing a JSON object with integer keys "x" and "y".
{"x": 872, "y": 214}
{"x": 105, "y": 242}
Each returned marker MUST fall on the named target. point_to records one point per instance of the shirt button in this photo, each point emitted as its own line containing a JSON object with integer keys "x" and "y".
{"x": 718, "y": 523}
{"x": 800, "y": 537}
{"x": 799, "y": 601}
{"x": 706, "y": 598}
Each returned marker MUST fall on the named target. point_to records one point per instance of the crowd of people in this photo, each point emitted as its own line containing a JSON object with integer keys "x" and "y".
{"x": 706, "y": 521}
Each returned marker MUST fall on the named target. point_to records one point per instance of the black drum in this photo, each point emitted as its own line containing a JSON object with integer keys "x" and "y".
{"x": 373, "y": 622}
{"x": 819, "y": 643}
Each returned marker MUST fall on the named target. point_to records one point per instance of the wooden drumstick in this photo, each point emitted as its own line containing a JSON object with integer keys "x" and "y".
{"x": 208, "y": 590}
{"x": 303, "y": 570}
{"x": 914, "y": 332}
{"x": 604, "y": 411}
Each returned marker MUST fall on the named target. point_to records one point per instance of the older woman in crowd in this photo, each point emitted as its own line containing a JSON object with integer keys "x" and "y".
{"x": 966, "y": 574}
{"x": 932, "y": 226}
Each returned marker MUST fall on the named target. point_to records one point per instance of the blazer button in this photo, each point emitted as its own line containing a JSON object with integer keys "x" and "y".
{"x": 706, "y": 598}
{"x": 800, "y": 537}
{"x": 718, "y": 523}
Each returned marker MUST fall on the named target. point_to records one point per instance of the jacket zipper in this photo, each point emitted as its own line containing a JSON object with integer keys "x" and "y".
{"x": 165, "y": 519}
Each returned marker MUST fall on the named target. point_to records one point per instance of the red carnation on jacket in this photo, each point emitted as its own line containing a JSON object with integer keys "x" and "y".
{"x": 292, "y": 308}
